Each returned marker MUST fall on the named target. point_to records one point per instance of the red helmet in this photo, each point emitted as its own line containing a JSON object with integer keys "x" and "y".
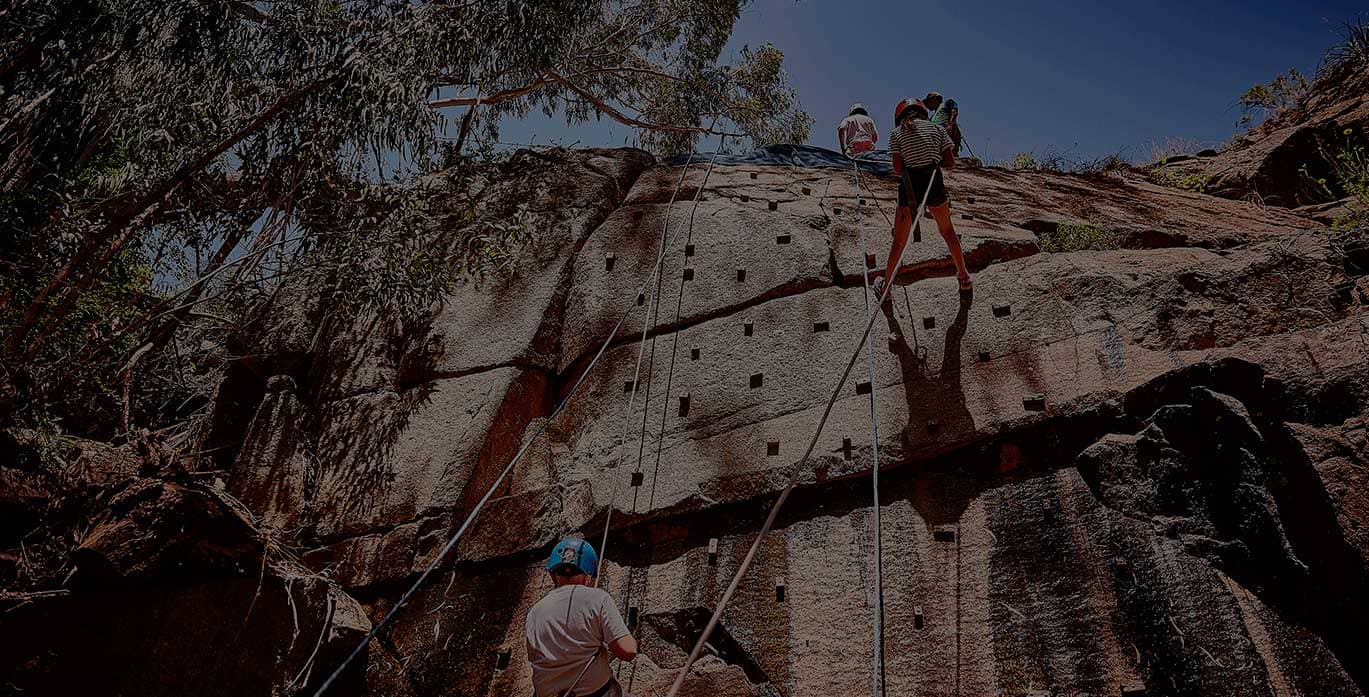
{"x": 904, "y": 105}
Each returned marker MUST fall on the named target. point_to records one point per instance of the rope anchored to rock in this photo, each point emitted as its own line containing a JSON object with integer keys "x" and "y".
{"x": 793, "y": 477}
{"x": 494, "y": 486}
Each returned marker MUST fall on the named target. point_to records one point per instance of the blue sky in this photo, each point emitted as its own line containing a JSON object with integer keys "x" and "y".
{"x": 1080, "y": 79}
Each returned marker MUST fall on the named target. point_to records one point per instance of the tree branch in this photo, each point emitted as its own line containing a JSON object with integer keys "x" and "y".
{"x": 500, "y": 96}
{"x": 624, "y": 119}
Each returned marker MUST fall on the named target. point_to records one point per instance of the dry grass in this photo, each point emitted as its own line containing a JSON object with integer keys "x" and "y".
{"x": 1162, "y": 150}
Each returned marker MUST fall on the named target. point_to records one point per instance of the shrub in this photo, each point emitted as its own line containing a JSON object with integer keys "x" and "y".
{"x": 1024, "y": 160}
{"x": 1074, "y": 237}
{"x": 1350, "y": 55}
{"x": 1349, "y": 178}
{"x": 1274, "y": 98}
{"x": 1195, "y": 182}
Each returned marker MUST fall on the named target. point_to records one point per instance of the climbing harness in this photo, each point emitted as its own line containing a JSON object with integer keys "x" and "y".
{"x": 527, "y": 444}
{"x": 793, "y": 477}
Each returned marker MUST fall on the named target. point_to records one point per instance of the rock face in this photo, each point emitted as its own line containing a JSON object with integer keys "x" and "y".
{"x": 1274, "y": 163}
{"x": 173, "y": 591}
{"x": 1132, "y": 471}
{"x": 1128, "y": 471}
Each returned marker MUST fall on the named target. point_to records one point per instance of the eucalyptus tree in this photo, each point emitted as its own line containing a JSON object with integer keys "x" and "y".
{"x": 158, "y": 157}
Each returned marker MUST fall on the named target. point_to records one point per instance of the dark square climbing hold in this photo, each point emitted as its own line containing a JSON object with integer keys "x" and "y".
{"x": 933, "y": 426}
{"x": 741, "y": 275}
{"x": 860, "y": 201}
{"x": 774, "y": 205}
{"x": 627, "y": 386}
{"x": 689, "y": 250}
{"x": 772, "y": 448}
{"x": 693, "y": 354}
{"x": 943, "y": 535}
{"x": 684, "y": 405}
{"x": 636, "y": 479}
{"x": 712, "y": 551}
{"x": 748, "y": 329}
{"x": 846, "y": 448}
{"x": 689, "y": 274}
{"x": 641, "y": 299}
{"x": 757, "y": 380}
{"x": 917, "y": 618}
{"x": 608, "y": 261}
{"x": 1002, "y": 310}
{"x": 869, "y": 261}
{"x": 807, "y": 191}
{"x": 821, "y": 327}
{"x": 836, "y": 210}
{"x": 862, "y": 388}
{"x": 744, "y": 198}
{"x": 929, "y": 323}
{"x": 782, "y": 239}
{"x": 633, "y": 613}
{"x": 1034, "y": 402}
{"x": 754, "y": 175}
{"x": 636, "y": 215}
{"x": 984, "y": 356}
{"x": 969, "y": 199}
{"x": 779, "y": 591}
{"x": 501, "y": 659}
{"x": 967, "y": 216}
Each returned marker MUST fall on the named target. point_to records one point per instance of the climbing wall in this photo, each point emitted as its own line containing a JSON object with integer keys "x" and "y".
{"x": 1049, "y": 525}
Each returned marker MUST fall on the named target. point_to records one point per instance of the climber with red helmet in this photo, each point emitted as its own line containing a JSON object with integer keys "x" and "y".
{"x": 857, "y": 133}
{"x": 920, "y": 148}
{"x": 568, "y": 630}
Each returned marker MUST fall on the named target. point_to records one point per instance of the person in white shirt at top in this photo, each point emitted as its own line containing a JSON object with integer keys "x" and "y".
{"x": 857, "y": 133}
{"x": 920, "y": 149}
{"x": 572, "y": 630}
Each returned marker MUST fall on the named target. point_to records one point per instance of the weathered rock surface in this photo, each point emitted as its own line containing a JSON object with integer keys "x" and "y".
{"x": 1273, "y": 163}
{"x": 173, "y": 592}
{"x": 1133, "y": 471}
{"x": 1107, "y": 472}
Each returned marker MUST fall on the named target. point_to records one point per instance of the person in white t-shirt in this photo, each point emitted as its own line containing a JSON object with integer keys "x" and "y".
{"x": 573, "y": 629}
{"x": 857, "y": 132}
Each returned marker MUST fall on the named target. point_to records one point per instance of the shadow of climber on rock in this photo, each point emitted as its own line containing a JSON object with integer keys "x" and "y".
{"x": 937, "y": 411}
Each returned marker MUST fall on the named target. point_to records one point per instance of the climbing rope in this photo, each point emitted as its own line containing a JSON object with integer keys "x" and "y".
{"x": 793, "y": 477}
{"x": 641, "y": 346}
{"x": 646, "y": 325}
{"x": 877, "y": 672}
{"x": 670, "y": 374}
{"x": 636, "y": 377}
{"x": 527, "y": 444}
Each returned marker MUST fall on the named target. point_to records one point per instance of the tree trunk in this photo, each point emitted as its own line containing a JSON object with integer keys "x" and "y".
{"x": 91, "y": 261}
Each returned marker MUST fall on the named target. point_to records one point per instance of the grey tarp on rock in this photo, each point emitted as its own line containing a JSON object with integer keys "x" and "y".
{"x": 876, "y": 162}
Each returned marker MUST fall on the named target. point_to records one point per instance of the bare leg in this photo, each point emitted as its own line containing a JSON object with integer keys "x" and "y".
{"x": 903, "y": 222}
{"x": 942, "y": 214}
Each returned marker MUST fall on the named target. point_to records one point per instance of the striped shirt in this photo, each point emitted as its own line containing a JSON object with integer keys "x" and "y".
{"x": 920, "y": 142}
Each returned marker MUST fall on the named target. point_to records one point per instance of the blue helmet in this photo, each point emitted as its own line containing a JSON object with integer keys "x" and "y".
{"x": 575, "y": 552}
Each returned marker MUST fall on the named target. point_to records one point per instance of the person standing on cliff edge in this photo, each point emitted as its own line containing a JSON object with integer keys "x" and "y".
{"x": 946, "y": 114}
{"x": 920, "y": 149}
{"x": 572, "y": 629}
{"x": 857, "y": 133}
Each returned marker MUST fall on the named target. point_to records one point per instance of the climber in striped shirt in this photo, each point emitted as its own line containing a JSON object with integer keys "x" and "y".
{"x": 920, "y": 148}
